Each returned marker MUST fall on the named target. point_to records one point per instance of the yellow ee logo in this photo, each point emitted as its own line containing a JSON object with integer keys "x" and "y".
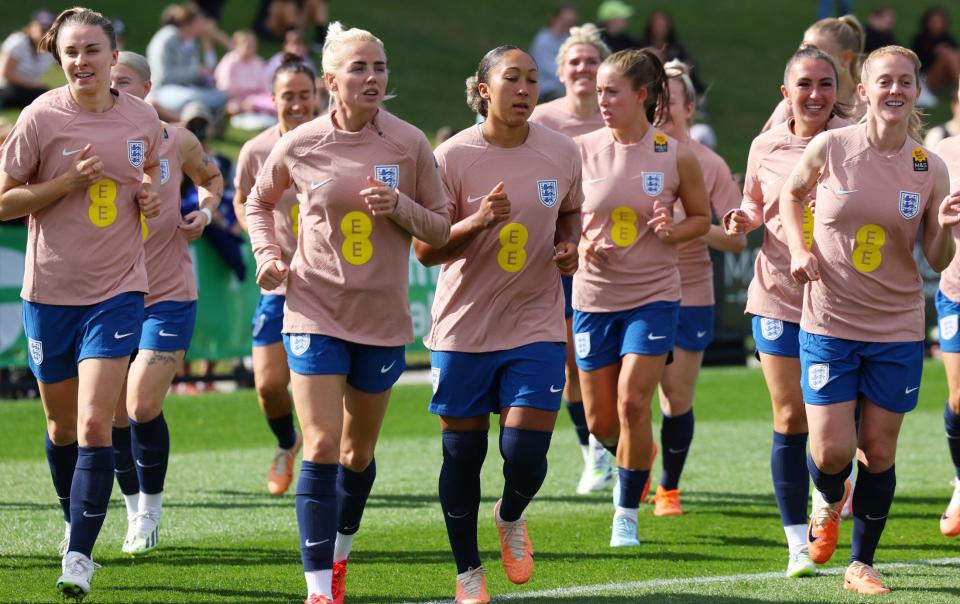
{"x": 623, "y": 231}
{"x": 807, "y": 227}
{"x": 356, "y": 228}
{"x": 512, "y": 256}
{"x": 144, "y": 229}
{"x": 295, "y": 218}
{"x": 103, "y": 207}
{"x": 866, "y": 255}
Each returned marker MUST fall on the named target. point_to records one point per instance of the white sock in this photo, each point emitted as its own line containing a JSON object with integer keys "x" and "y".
{"x": 319, "y": 582}
{"x": 342, "y": 547}
{"x": 585, "y": 449}
{"x": 796, "y": 537}
{"x": 150, "y": 501}
{"x": 630, "y": 513}
{"x": 133, "y": 504}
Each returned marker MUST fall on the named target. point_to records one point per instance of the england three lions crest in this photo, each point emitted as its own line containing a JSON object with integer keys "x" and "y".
{"x": 652, "y": 183}
{"x": 164, "y": 171}
{"x": 909, "y": 204}
{"x": 547, "y": 190}
{"x": 136, "y": 153}
{"x": 388, "y": 175}
{"x": 299, "y": 343}
{"x": 36, "y": 351}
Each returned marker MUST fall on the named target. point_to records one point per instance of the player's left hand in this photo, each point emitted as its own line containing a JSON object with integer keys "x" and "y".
{"x": 193, "y": 224}
{"x": 148, "y": 201}
{"x": 380, "y": 199}
{"x": 566, "y": 257}
{"x": 662, "y": 221}
{"x": 949, "y": 213}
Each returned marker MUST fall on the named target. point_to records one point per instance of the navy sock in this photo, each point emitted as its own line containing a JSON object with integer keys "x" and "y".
{"x": 317, "y": 514}
{"x": 676, "y": 434}
{"x": 524, "y": 455}
{"x": 353, "y": 488}
{"x": 63, "y": 462}
{"x": 89, "y": 496}
{"x": 791, "y": 480}
{"x": 282, "y": 428}
{"x": 151, "y": 451}
{"x": 463, "y": 455}
{"x": 871, "y": 504}
{"x": 575, "y": 408}
{"x": 951, "y": 421}
{"x": 831, "y": 485}
{"x": 631, "y": 486}
{"x": 123, "y": 461}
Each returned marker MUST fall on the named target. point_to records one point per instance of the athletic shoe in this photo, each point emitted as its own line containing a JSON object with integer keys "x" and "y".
{"x": 147, "y": 533}
{"x": 846, "y": 512}
{"x": 339, "y": 585}
{"x": 77, "y": 575}
{"x": 666, "y": 503}
{"x": 131, "y": 532}
{"x": 317, "y": 599}
{"x": 472, "y": 587}
{"x": 623, "y": 533}
{"x": 516, "y": 552}
{"x": 824, "y": 526}
{"x": 799, "y": 565}
{"x": 950, "y": 520}
{"x": 64, "y": 544}
{"x": 281, "y": 469}
{"x": 597, "y": 468}
{"x": 864, "y": 579}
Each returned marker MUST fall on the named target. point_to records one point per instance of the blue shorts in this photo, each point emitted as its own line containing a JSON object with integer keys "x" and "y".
{"x": 59, "y": 337}
{"x": 947, "y": 313}
{"x": 695, "y": 328}
{"x": 471, "y": 384}
{"x": 168, "y": 326}
{"x": 368, "y": 368}
{"x": 600, "y": 339}
{"x": 834, "y": 370}
{"x": 567, "y": 283}
{"x": 267, "y": 323}
{"x": 776, "y": 337}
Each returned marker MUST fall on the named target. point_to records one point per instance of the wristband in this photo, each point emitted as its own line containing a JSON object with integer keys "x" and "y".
{"x": 206, "y": 212}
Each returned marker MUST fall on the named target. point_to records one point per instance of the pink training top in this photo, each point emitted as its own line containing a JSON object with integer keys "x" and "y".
{"x": 348, "y": 277}
{"x": 620, "y": 184}
{"x": 169, "y": 267}
{"x": 696, "y": 269}
{"x": 949, "y": 151}
{"x": 774, "y": 293}
{"x": 87, "y": 246}
{"x": 556, "y": 116}
{"x": 504, "y": 291}
{"x": 869, "y": 210}
{"x": 784, "y": 111}
{"x": 286, "y": 214}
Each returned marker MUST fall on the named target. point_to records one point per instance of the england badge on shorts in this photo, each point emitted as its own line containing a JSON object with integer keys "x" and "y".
{"x": 652, "y": 183}
{"x": 164, "y": 171}
{"x": 818, "y": 375}
{"x": 388, "y": 175}
{"x": 581, "y": 344}
{"x": 948, "y": 327}
{"x": 36, "y": 351}
{"x": 547, "y": 190}
{"x": 136, "y": 152}
{"x": 771, "y": 329}
{"x": 909, "y": 204}
{"x": 299, "y": 343}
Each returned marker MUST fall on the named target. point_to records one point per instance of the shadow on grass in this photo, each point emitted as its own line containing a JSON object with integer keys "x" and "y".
{"x": 664, "y": 597}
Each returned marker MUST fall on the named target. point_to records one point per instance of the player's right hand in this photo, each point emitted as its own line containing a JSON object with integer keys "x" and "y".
{"x": 735, "y": 222}
{"x": 85, "y": 170}
{"x": 272, "y": 275}
{"x": 495, "y": 207}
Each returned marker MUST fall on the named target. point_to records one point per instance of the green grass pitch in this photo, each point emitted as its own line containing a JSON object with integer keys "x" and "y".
{"x": 223, "y": 539}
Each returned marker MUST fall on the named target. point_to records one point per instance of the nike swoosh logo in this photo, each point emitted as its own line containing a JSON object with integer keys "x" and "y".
{"x": 700, "y": 334}
{"x": 555, "y": 390}
{"x": 591, "y": 181}
{"x": 810, "y": 537}
{"x": 316, "y": 185}
{"x": 387, "y": 367}
{"x": 308, "y": 543}
{"x": 845, "y": 191}
{"x": 119, "y": 336}
{"x": 475, "y": 199}
{"x": 653, "y": 337}
{"x": 458, "y": 516}
{"x": 69, "y": 153}
{"x": 164, "y": 334}
{"x": 869, "y": 517}
{"x": 152, "y": 465}
{"x": 676, "y": 451}
{"x": 123, "y": 471}
{"x": 87, "y": 514}
{"x": 910, "y": 390}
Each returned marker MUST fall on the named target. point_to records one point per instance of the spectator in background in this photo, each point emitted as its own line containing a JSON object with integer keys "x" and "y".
{"x": 946, "y": 129}
{"x": 242, "y": 75}
{"x": 879, "y": 32}
{"x": 178, "y": 75}
{"x": 294, "y": 43}
{"x": 660, "y": 35}
{"x": 120, "y": 28}
{"x": 937, "y": 50}
{"x": 545, "y": 46}
{"x": 21, "y": 66}
{"x": 613, "y": 17}
{"x": 275, "y": 18}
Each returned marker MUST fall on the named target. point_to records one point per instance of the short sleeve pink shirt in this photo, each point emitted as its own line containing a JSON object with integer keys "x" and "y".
{"x": 949, "y": 151}
{"x": 869, "y": 210}
{"x": 504, "y": 291}
{"x": 556, "y": 116}
{"x": 87, "y": 246}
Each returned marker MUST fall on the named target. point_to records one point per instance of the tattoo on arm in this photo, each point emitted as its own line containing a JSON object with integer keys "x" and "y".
{"x": 162, "y": 358}
{"x": 800, "y": 188}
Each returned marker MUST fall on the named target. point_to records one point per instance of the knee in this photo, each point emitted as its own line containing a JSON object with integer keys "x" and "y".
{"x": 320, "y": 447}
{"x": 355, "y": 460}
{"x": 634, "y": 410}
{"x": 604, "y": 429}
{"x": 877, "y": 456}
{"x": 953, "y": 401}
{"x": 271, "y": 388}
{"x": 92, "y": 432}
{"x": 832, "y": 457}
{"x": 62, "y": 433}
{"x": 789, "y": 417}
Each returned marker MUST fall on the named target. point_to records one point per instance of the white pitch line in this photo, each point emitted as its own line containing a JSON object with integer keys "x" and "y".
{"x": 634, "y": 586}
